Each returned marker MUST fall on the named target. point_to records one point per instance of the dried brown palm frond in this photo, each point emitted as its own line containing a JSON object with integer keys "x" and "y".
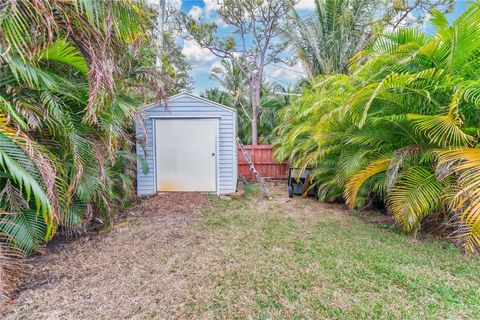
{"x": 464, "y": 200}
{"x": 99, "y": 29}
{"x": 10, "y": 267}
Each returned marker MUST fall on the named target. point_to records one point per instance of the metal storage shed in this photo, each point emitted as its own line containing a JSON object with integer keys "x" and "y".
{"x": 190, "y": 146}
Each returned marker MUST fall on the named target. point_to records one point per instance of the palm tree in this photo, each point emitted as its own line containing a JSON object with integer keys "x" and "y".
{"x": 272, "y": 101}
{"x": 326, "y": 41}
{"x": 219, "y": 96}
{"x": 230, "y": 77}
{"x": 67, "y": 105}
{"x": 235, "y": 85}
{"x": 270, "y": 105}
{"x": 403, "y": 128}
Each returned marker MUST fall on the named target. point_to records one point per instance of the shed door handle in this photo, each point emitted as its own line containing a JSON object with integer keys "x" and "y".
{"x": 213, "y": 154}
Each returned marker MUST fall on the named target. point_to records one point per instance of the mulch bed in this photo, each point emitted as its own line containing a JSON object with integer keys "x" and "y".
{"x": 181, "y": 202}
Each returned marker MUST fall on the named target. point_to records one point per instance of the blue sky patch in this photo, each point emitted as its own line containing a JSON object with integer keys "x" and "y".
{"x": 202, "y": 60}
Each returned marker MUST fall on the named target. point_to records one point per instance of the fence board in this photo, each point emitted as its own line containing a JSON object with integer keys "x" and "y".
{"x": 262, "y": 158}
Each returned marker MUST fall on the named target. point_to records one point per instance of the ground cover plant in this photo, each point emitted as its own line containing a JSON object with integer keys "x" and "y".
{"x": 402, "y": 128}
{"x": 185, "y": 256}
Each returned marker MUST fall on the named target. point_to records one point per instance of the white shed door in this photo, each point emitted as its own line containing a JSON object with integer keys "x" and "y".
{"x": 185, "y": 154}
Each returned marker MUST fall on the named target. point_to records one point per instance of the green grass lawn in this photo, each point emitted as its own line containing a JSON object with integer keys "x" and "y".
{"x": 251, "y": 259}
{"x": 303, "y": 260}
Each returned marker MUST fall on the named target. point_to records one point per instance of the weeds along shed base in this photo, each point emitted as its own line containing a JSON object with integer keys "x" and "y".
{"x": 189, "y": 146}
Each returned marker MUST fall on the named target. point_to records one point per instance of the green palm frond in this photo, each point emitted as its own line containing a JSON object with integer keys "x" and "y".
{"x": 21, "y": 169}
{"x": 439, "y": 20}
{"x": 327, "y": 40}
{"x": 469, "y": 91}
{"x": 457, "y": 43}
{"x": 63, "y": 52}
{"x": 400, "y": 42}
{"x": 409, "y": 108}
{"x": 415, "y": 194}
{"x": 393, "y": 89}
{"x": 25, "y": 229}
{"x": 69, "y": 93}
{"x": 443, "y": 130}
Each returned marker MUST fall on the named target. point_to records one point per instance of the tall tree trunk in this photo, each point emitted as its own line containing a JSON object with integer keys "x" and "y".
{"x": 160, "y": 31}
{"x": 255, "y": 92}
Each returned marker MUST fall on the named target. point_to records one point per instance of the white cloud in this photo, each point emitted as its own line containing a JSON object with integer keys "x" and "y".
{"x": 216, "y": 64}
{"x": 201, "y": 69}
{"x": 195, "y": 12}
{"x": 210, "y": 6}
{"x": 207, "y": 11}
{"x": 196, "y": 54}
{"x": 177, "y": 4}
{"x": 305, "y": 4}
{"x": 200, "y": 72}
{"x": 286, "y": 73}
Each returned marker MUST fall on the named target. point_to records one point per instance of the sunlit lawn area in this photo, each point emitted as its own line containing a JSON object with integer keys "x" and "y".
{"x": 256, "y": 259}
{"x": 303, "y": 260}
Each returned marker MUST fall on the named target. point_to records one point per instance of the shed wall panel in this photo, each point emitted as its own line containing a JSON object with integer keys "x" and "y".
{"x": 186, "y": 105}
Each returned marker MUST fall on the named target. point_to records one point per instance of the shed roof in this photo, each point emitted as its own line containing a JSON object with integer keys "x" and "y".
{"x": 191, "y": 95}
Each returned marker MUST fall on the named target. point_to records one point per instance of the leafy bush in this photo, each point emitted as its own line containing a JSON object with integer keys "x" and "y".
{"x": 69, "y": 74}
{"x": 403, "y": 127}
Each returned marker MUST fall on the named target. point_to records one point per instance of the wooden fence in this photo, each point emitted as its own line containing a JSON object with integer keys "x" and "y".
{"x": 262, "y": 158}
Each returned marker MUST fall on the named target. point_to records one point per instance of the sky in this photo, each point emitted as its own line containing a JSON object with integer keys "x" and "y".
{"x": 202, "y": 60}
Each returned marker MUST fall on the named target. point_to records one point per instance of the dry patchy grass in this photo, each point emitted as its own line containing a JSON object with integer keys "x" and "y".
{"x": 251, "y": 258}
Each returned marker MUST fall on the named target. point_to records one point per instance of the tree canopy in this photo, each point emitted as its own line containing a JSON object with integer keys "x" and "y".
{"x": 326, "y": 40}
{"x": 256, "y": 25}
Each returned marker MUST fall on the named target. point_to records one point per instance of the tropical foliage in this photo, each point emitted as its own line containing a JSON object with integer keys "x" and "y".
{"x": 234, "y": 93}
{"x": 402, "y": 128}
{"x": 326, "y": 41}
{"x": 69, "y": 74}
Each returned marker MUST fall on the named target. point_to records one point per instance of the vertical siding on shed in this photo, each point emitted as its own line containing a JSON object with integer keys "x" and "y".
{"x": 186, "y": 105}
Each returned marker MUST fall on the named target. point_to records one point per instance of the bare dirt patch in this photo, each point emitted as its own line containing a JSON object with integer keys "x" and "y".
{"x": 167, "y": 205}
